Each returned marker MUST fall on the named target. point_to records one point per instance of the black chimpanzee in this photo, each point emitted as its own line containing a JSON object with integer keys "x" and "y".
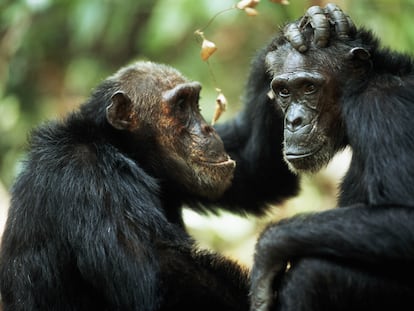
{"x": 354, "y": 93}
{"x": 92, "y": 223}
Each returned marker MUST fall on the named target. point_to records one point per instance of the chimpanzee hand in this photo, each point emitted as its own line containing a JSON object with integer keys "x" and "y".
{"x": 324, "y": 22}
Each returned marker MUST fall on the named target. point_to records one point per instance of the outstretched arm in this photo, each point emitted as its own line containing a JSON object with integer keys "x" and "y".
{"x": 254, "y": 140}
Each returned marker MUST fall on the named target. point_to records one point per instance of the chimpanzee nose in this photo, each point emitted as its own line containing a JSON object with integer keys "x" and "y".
{"x": 296, "y": 117}
{"x": 294, "y": 124}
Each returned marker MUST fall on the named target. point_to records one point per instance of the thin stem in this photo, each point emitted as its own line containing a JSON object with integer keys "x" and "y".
{"x": 214, "y": 17}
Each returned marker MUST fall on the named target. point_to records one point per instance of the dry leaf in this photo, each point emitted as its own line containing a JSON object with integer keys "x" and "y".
{"x": 243, "y": 4}
{"x": 207, "y": 49}
{"x": 284, "y": 2}
{"x": 221, "y": 105}
{"x": 251, "y": 12}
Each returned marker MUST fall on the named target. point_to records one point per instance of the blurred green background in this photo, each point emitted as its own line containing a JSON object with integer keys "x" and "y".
{"x": 53, "y": 53}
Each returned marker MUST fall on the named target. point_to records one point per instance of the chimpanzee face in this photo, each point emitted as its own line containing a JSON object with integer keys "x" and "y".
{"x": 308, "y": 94}
{"x": 159, "y": 101}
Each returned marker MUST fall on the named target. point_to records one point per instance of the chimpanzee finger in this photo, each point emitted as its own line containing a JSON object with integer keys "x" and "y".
{"x": 343, "y": 23}
{"x": 293, "y": 34}
{"x": 320, "y": 24}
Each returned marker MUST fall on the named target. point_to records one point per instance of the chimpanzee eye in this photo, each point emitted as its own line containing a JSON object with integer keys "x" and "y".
{"x": 284, "y": 92}
{"x": 310, "y": 88}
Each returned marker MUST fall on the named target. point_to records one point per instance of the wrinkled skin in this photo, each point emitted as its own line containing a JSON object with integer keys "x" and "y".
{"x": 321, "y": 20}
{"x": 302, "y": 89}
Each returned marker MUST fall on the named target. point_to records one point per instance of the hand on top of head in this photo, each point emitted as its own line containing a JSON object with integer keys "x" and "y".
{"x": 324, "y": 22}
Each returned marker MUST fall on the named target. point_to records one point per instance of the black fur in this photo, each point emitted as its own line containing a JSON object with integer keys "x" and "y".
{"x": 359, "y": 256}
{"x": 92, "y": 226}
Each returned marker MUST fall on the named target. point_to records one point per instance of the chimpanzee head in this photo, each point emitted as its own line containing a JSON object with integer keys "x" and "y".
{"x": 156, "y": 104}
{"x": 309, "y": 89}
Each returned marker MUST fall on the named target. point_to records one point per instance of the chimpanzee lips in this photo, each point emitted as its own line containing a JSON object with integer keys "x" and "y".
{"x": 220, "y": 162}
{"x": 295, "y": 155}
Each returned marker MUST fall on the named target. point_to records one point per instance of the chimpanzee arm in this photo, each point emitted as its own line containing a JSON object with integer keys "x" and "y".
{"x": 201, "y": 280}
{"x": 373, "y": 237}
{"x": 116, "y": 269}
{"x": 254, "y": 140}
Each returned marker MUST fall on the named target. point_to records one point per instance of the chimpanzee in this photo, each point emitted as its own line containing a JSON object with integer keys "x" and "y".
{"x": 92, "y": 223}
{"x": 359, "y": 256}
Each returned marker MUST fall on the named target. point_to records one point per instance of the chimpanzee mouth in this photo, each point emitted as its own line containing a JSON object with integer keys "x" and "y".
{"x": 222, "y": 162}
{"x": 297, "y": 156}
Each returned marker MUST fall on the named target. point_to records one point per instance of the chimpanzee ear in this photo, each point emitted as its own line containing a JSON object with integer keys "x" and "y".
{"x": 119, "y": 112}
{"x": 359, "y": 53}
